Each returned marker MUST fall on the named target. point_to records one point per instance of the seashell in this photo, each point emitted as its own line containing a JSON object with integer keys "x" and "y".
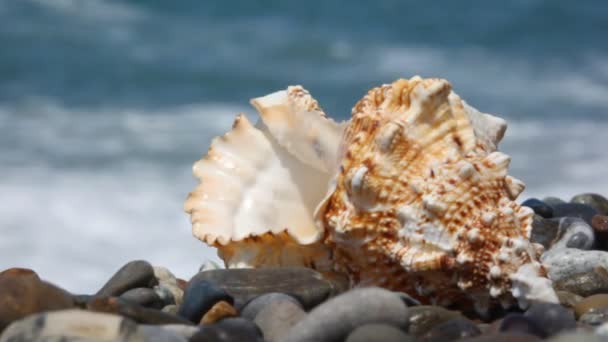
{"x": 410, "y": 194}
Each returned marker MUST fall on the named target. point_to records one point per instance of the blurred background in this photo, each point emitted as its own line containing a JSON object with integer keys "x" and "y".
{"x": 105, "y": 104}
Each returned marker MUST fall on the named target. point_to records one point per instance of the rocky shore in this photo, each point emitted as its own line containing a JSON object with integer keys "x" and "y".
{"x": 141, "y": 302}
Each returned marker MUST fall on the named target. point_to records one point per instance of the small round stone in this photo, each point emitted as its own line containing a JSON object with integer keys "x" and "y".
{"x": 199, "y": 297}
{"x": 596, "y": 201}
{"x": 251, "y": 309}
{"x": 518, "y": 323}
{"x": 337, "y": 317}
{"x": 134, "y": 274}
{"x": 553, "y": 318}
{"x": 452, "y": 329}
{"x": 219, "y": 311}
{"x": 594, "y": 317}
{"x": 540, "y": 208}
{"x": 377, "y": 332}
{"x": 229, "y": 330}
{"x": 594, "y": 302}
{"x": 277, "y": 318}
{"x": 424, "y": 317}
{"x": 600, "y": 223}
{"x": 574, "y": 233}
{"x": 144, "y": 297}
{"x": 579, "y": 210}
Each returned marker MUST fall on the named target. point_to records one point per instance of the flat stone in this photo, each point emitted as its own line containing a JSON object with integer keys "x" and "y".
{"x": 453, "y": 329}
{"x": 155, "y": 333}
{"x": 585, "y": 284}
{"x": 144, "y": 297}
{"x": 229, "y": 330}
{"x": 200, "y": 296}
{"x": 134, "y": 274}
{"x": 540, "y": 208}
{"x": 596, "y": 201}
{"x": 563, "y": 263}
{"x": 133, "y": 311}
{"x": 579, "y": 210}
{"x": 219, "y": 311}
{"x": 423, "y": 318}
{"x": 22, "y": 293}
{"x": 277, "y": 318}
{"x": 337, "y": 317}
{"x": 597, "y": 301}
{"x": 553, "y": 318}
{"x": 305, "y": 284}
{"x": 251, "y": 308}
{"x": 72, "y": 325}
{"x": 378, "y": 333}
{"x": 594, "y": 317}
{"x": 518, "y": 323}
{"x": 503, "y": 337}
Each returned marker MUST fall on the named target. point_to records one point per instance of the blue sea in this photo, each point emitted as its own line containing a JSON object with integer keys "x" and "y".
{"x": 105, "y": 104}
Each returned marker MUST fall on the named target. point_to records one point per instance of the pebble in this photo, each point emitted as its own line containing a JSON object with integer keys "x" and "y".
{"x": 186, "y": 331}
{"x": 423, "y": 318}
{"x": 574, "y": 233}
{"x": 277, "y": 318}
{"x": 229, "y": 330}
{"x": 305, "y": 284}
{"x": 337, "y": 317}
{"x": 408, "y": 300}
{"x": 553, "y": 318}
{"x": 72, "y": 325}
{"x": 600, "y": 223}
{"x": 574, "y": 210}
{"x": 171, "y": 309}
{"x": 168, "y": 287}
{"x": 602, "y": 330}
{"x": 134, "y": 274}
{"x": 503, "y": 337}
{"x": 590, "y": 303}
{"x": 518, "y": 323}
{"x": 23, "y": 293}
{"x": 154, "y": 333}
{"x": 251, "y": 309}
{"x": 81, "y": 300}
{"x": 199, "y": 297}
{"x": 219, "y": 311}
{"x": 378, "y": 332}
{"x": 567, "y": 262}
{"x": 568, "y": 299}
{"x": 144, "y": 297}
{"x": 163, "y": 275}
{"x": 165, "y": 295}
{"x": 540, "y": 208}
{"x": 594, "y": 317}
{"x": 544, "y": 231}
{"x": 585, "y": 284}
{"x": 133, "y": 311}
{"x": 452, "y": 329}
{"x": 209, "y": 265}
{"x": 577, "y": 336}
{"x": 550, "y": 200}
{"x": 596, "y": 201}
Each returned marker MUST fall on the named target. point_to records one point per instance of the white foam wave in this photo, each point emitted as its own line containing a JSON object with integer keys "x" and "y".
{"x": 105, "y": 10}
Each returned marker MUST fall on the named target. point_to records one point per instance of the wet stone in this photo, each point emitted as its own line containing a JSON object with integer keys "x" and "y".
{"x": 596, "y": 201}
{"x": 378, "y": 332}
{"x": 133, "y": 311}
{"x": 23, "y": 293}
{"x": 594, "y": 317}
{"x": 518, "y": 323}
{"x": 423, "y": 318}
{"x": 540, "y": 208}
{"x": 305, "y": 284}
{"x": 563, "y": 263}
{"x": 334, "y": 319}
{"x": 229, "y": 330}
{"x": 199, "y": 297}
{"x": 144, "y": 297}
{"x": 277, "y": 318}
{"x": 251, "y": 309}
{"x": 134, "y": 274}
{"x": 553, "y": 318}
{"x": 452, "y": 329}
{"x": 585, "y": 284}
{"x": 594, "y": 302}
{"x": 72, "y": 325}
{"x": 579, "y": 210}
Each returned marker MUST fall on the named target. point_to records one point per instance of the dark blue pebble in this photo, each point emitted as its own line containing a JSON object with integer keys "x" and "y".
{"x": 553, "y": 318}
{"x": 199, "y": 297}
{"x": 579, "y": 210}
{"x": 540, "y": 208}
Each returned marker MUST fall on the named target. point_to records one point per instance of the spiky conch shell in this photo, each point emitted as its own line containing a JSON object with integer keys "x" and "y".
{"x": 418, "y": 199}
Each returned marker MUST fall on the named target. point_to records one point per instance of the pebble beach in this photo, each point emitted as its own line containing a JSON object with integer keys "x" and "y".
{"x": 144, "y": 302}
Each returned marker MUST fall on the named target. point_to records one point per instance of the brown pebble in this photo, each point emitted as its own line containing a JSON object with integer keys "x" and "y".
{"x": 182, "y": 284}
{"x": 568, "y": 299}
{"x": 219, "y": 311}
{"x": 600, "y": 223}
{"x": 592, "y": 302}
{"x": 23, "y": 293}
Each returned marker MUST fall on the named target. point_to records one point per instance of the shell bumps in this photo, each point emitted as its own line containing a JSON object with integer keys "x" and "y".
{"x": 410, "y": 194}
